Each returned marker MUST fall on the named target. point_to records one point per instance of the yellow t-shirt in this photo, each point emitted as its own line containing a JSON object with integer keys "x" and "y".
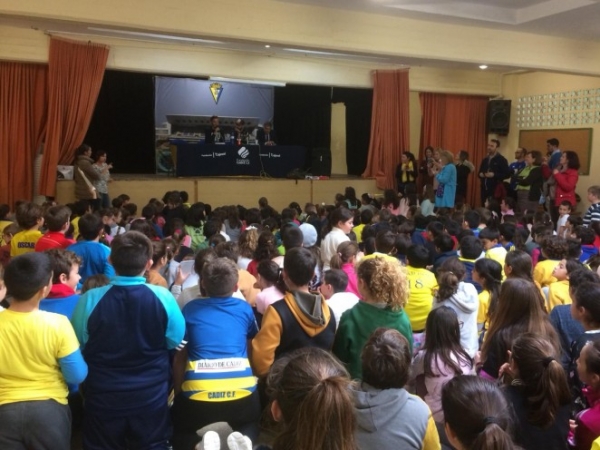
{"x": 75, "y": 223}
{"x": 596, "y": 444}
{"x": 381, "y": 255}
{"x": 422, "y": 286}
{"x": 409, "y": 168}
{"x": 498, "y": 254}
{"x": 24, "y": 242}
{"x": 358, "y": 229}
{"x": 558, "y": 294}
{"x": 542, "y": 272}
{"x": 484, "y": 306}
{"x": 32, "y": 344}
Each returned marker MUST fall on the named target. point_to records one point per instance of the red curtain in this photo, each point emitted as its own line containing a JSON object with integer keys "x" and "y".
{"x": 456, "y": 122}
{"x": 389, "y": 126}
{"x": 74, "y": 79}
{"x": 23, "y": 106}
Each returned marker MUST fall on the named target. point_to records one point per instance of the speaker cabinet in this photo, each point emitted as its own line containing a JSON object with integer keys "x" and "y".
{"x": 321, "y": 162}
{"x": 498, "y": 117}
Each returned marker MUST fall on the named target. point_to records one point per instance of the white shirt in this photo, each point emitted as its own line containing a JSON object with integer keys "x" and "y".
{"x": 330, "y": 245}
{"x": 340, "y": 303}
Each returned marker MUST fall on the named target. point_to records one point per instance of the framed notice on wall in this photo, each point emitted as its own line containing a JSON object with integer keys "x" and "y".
{"x": 577, "y": 139}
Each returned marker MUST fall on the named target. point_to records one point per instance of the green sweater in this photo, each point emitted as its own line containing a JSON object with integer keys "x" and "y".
{"x": 357, "y": 324}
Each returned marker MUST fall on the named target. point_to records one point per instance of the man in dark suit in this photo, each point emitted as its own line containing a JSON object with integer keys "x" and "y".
{"x": 213, "y": 134}
{"x": 266, "y": 135}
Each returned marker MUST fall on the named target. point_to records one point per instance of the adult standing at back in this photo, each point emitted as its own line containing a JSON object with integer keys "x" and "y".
{"x": 446, "y": 178}
{"x": 85, "y": 175}
{"x": 492, "y": 171}
{"x": 529, "y": 182}
{"x": 464, "y": 167}
{"x": 566, "y": 175}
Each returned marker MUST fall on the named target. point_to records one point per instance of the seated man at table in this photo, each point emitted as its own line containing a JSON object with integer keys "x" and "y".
{"x": 213, "y": 134}
{"x": 239, "y": 132}
{"x": 266, "y": 135}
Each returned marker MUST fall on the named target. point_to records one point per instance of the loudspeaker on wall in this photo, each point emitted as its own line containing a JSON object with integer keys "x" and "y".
{"x": 498, "y": 117}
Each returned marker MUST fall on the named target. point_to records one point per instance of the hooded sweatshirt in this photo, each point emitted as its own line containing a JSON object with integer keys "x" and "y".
{"x": 300, "y": 319}
{"x": 391, "y": 419}
{"x": 357, "y": 324}
{"x": 465, "y": 303}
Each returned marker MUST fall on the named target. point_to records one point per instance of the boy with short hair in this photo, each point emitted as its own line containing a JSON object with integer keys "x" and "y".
{"x": 444, "y": 249}
{"x": 57, "y": 220}
{"x": 30, "y": 219}
{"x": 564, "y": 211}
{"x": 385, "y": 246}
{"x": 422, "y": 285}
{"x": 586, "y": 236}
{"x": 300, "y": 319}
{"x": 472, "y": 220}
{"x": 62, "y": 297}
{"x": 38, "y": 356}
{"x": 93, "y": 254}
{"x": 333, "y": 288}
{"x": 493, "y": 249}
{"x": 127, "y": 330}
{"x": 471, "y": 249}
{"x": 593, "y": 212}
{"x": 554, "y": 248}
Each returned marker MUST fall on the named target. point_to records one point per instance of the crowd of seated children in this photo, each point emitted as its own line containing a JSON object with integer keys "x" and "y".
{"x": 533, "y": 345}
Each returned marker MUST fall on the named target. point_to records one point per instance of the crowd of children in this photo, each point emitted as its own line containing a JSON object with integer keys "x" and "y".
{"x": 350, "y": 325}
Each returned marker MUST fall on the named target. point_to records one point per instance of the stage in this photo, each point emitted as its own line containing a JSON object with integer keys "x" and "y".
{"x": 218, "y": 191}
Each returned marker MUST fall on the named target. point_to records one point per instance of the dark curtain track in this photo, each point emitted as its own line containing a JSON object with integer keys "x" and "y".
{"x": 123, "y": 121}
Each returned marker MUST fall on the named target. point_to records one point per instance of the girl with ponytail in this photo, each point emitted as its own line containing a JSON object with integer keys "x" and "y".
{"x": 477, "y": 415}
{"x": 310, "y": 397}
{"x": 345, "y": 259}
{"x": 539, "y": 393}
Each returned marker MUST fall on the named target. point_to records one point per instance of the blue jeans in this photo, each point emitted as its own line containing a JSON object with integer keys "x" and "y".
{"x": 42, "y": 425}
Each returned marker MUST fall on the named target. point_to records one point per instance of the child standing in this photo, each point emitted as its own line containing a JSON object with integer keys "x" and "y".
{"x": 461, "y": 297}
{"x": 593, "y": 212}
{"x": 564, "y": 212}
{"x": 384, "y": 290}
{"x": 588, "y": 421}
{"x": 441, "y": 359}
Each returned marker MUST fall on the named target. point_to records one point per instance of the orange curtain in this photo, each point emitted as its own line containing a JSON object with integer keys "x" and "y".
{"x": 389, "y": 126}
{"x": 456, "y": 122}
{"x": 23, "y": 106}
{"x": 74, "y": 79}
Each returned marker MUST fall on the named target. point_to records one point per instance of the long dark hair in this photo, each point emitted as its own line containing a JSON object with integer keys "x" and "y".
{"x": 543, "y": 379}
{"x": 450, "y": 273}
{"x": 477, "y": 411}
{"x": 490, "y": 272}
{"x": 266, "y": 248}
{"x": 519, "y": 311}
{"x": 336, "y": 216}
{"x": 520, "y": 264}
{"x": 271, "y": 272}
{"x": 442, "y": 343}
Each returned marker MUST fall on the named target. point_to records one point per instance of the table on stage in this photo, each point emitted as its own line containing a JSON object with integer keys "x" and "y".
{"x": 196, "y": 160}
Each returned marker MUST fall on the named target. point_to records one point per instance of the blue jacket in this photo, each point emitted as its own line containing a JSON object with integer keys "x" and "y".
{"x": 444, "y": 196}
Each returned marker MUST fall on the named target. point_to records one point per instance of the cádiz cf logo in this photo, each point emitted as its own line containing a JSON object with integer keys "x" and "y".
{"x": 216, "y": 89}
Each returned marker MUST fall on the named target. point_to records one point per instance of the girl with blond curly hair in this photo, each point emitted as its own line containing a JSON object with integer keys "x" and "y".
{"x": 383, "y": 289}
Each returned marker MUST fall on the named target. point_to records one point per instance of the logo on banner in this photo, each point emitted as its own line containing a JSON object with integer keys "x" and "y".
{"x": 216, "y": 89}
{"x": 243, "y": 153}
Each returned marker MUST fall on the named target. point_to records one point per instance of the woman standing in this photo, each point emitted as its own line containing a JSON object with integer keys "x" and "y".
{"x": 101, "y": 184}
{"x": 426, "y": 166}
{"x": 566, "y": 176}
{"x": 406, "y": 172}
{"x": 446, "y": 178}
{"x": 85, "y": 175}
{"x": 529, "y": 183}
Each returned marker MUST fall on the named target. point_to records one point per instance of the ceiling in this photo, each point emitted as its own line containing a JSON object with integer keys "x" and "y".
{"x": 566, "y": 18}
{"x": 577, "y": 19}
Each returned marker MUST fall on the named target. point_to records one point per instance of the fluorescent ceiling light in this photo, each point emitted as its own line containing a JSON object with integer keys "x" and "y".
{"x": 154, "y": 35}
{"x": 239, "y": 80}
{"x": 483, "y": 67}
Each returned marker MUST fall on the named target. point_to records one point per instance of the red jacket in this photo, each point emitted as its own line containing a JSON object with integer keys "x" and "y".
{"x": 565, "y": 186}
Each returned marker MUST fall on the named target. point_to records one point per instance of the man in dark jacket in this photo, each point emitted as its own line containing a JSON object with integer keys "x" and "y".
{"x": 492, "y": 171}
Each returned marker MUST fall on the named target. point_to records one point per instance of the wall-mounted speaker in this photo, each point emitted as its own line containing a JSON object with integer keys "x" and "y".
{"x": 498, "y": 117}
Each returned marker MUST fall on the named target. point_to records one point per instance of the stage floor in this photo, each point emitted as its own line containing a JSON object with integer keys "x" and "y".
{"x": 218, "y": 191}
